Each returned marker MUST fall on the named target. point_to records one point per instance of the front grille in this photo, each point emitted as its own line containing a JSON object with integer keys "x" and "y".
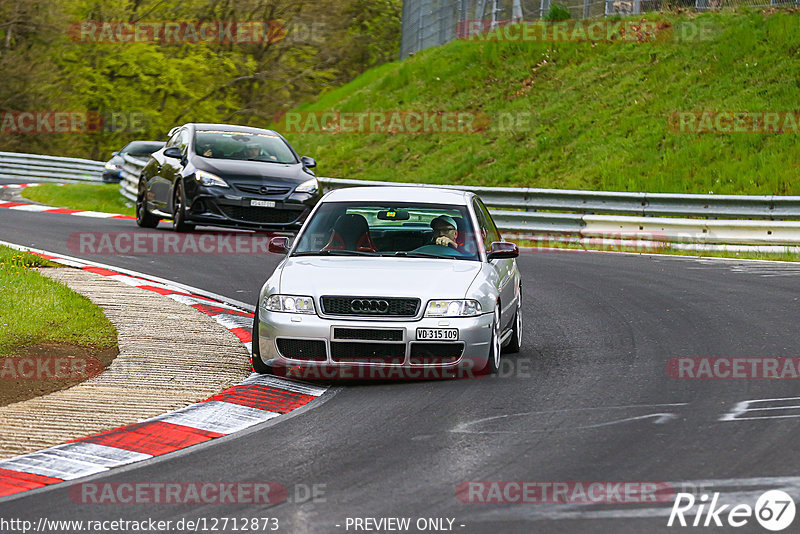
{"x": 261, "y": 215}
{"x": 368, "y": 334}
{"x": 435, "y": 352}
{"x": 302, "y": 349}
{"x": 370, "y": 306}
{"x": 343, "y": 351}
{"x": 271, "y": 189}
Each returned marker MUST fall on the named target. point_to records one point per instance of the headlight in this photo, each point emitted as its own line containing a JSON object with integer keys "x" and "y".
{"x": 288, "y": 303}
{"x": 453, "y": 308}
{"x": 310, "y": 186}
{"x": 208, "y": 179}
{"x": 112, "y": 167}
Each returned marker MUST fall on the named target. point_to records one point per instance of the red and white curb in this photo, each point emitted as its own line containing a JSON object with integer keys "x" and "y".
{"x": 38, "y": 208}
{"x": 256, "y": 399}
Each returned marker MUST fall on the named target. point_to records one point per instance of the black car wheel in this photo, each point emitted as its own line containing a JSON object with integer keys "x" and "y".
{"x": 516, "y": 330}
{"x": 258, "y": 365}
{"x": 493, "y": 361}
{"x": 144, "y": 218}
{"x": 179, "y": 223}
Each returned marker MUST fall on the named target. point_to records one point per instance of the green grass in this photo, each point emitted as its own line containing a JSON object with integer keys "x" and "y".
{"x": 93, "y": 197}
{"x": 597, "y": 113}
{"x": 38, "y": 310}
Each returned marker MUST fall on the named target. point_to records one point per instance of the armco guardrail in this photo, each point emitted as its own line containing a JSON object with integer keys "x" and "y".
{"x": 717, "y": 219}
{"x": 130, "y": 177}
{"x": 36, "y": 168}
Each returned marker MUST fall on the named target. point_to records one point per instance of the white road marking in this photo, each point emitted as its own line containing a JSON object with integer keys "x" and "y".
{"x": 747, "y": 406}
{"x": 660, "y": 418}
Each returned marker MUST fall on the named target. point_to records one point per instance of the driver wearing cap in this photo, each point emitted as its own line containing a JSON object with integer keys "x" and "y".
{"x": 445, "y": 231}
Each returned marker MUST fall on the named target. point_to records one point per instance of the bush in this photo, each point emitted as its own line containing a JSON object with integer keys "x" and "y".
{"x": 557, "y": 12}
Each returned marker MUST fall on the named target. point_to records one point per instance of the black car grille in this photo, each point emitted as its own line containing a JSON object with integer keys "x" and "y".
{"x": 368, "y": 334}
{"x": 260, "y": 215}
{"x": 435, "y": 352}
{"x": 256, "y": 189}
{"x": 371, "y": 306}
{"x": 302, "y": 349}
{"x": 344, "y": 351}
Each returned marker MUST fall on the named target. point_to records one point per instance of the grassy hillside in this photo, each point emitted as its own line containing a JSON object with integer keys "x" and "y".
{"x": 597, "y": 112}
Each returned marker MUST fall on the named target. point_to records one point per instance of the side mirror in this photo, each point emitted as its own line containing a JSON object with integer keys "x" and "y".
{"x": 115, "y": 153}
{"x": 308, "y": 163}
{"x": 279, "y": 245}
{"x": 173, "y": 152}
{"x": 503, "y": 250}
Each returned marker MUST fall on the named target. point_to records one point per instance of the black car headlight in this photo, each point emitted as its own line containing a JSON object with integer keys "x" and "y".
{"x": 207, "y": 179}
{"x": 309, "y": 186}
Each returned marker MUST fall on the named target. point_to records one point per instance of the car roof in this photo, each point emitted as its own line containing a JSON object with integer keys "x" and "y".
{"x": 231, "y": 128}
{"x": 394, "y": 194}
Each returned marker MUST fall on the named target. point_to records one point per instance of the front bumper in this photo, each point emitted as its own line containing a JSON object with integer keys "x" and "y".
{"x": 346, "y": 357}
{"x": 112, "y": 176}
{"x": 235, "y": 211}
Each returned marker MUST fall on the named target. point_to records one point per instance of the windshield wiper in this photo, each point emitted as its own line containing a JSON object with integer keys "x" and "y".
{"x": 335, "y": 253}
{"x": 406, "y": 254}
{"x": 266, "y": 161}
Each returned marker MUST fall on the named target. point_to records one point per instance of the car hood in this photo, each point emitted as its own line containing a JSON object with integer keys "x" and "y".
{"x": 378, "y": 277}
{"x": 253, "y": 171}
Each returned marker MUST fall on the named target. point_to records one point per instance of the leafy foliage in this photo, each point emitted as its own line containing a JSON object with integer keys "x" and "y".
{"x": 142, "y": 89}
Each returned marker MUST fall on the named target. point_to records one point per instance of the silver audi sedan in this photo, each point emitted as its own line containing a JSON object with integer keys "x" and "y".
{"x": 390, "y": 283}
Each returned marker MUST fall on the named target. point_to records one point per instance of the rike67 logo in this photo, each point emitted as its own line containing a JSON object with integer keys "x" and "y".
{"x": 774, "y": 510}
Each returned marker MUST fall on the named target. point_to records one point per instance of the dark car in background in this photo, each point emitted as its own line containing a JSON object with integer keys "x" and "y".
{"x": 225, "y": 175}
{"x": 135, "y": 149}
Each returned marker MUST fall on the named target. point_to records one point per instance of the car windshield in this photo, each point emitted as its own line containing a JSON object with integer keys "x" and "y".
{"x": 243, "y": 145}
{"x": 388, "y": 229}
{"x": 141, "y": 149}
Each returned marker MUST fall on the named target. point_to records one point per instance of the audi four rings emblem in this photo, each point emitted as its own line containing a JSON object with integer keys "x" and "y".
{"x": 369, "y": 305}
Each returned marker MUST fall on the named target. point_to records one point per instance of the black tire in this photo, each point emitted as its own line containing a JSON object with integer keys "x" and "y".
{"x": 144, "y": 218}
{"x": 179, "y": 223}
{"x": 515, "y": 342}
{"x": 493, "y": 362}
{"x": 255, "y": 358}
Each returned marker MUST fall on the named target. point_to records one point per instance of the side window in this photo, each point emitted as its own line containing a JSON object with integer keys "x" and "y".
{"x": 183, "y": 140}
{"x": 488, "y": 229}
{"x": 173, "y": 141}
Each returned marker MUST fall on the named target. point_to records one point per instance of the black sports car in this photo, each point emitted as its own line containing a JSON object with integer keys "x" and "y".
{"x": 225, "y": 175}
{"x": 135, "y": 149}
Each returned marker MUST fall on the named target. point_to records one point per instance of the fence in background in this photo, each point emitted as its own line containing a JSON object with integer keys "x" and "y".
{"x": 33, "y": 167}
{"x": 528, "y": 212}
{"x": 429, "y": 23}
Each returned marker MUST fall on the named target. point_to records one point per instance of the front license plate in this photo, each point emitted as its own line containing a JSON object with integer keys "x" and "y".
{"x": 263, "y": 203}
{"x": 437, "y": 334}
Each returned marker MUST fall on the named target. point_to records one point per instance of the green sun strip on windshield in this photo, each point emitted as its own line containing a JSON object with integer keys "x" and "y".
{"x": 416, "y": 216}
{"x": 237, "y": 133}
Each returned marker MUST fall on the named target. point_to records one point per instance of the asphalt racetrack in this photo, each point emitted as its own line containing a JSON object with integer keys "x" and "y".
{"x": 589, "y": 399}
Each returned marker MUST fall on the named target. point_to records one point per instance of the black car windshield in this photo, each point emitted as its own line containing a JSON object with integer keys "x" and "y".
{"x": 141, "y": 148}
{"x": 249, "y": 146}
{"x": 398, "y": 230}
